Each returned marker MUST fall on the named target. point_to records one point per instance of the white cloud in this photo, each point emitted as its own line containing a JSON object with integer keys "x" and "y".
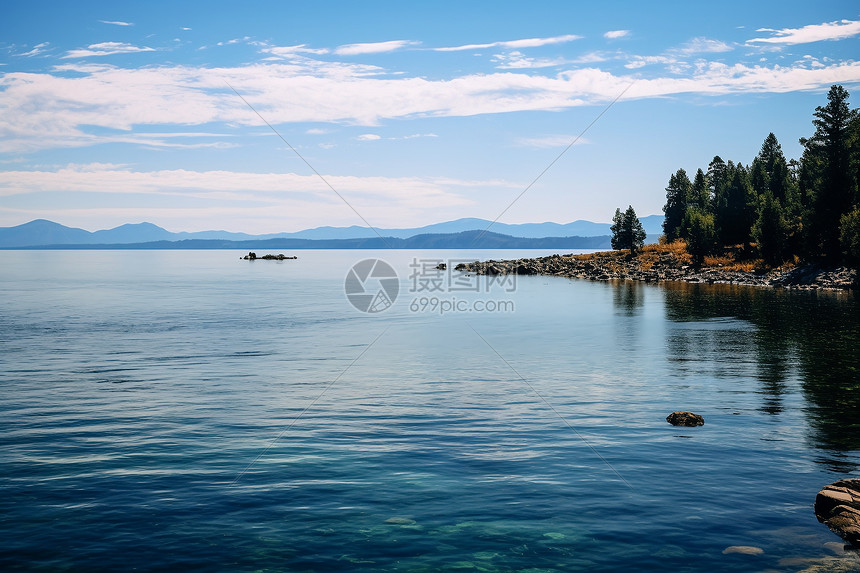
{"x": 243, "y": 40}
{"x": 518, "y": 61}
{"x": 316, "y": 131}
{"x": 642, "y": 61}
{"x": 704, "y": 45}
{"x": 185, "y": 28}
{"x": 368, "y": 137}
{"x": 290, "y": 51}
{"x": 51, "y": 110}
{"x": 373, "y": 48}
{"x": 836, "y": 30}
{"x": 672, "y": 58}
{"x": 106, "y": 49}
{"x": 116, "y": 23}
{"x": 262, "y": 199}
{"x": 592, "y": 58}
{"x": 613, "y": 34}
{"x": 38, "y": 49}
{"x": 515, "y": 44}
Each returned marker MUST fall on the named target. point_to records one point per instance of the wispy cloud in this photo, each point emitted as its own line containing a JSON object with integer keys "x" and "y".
{"x": 676, "y": 58}
{"x": 368, "y": 137}
{"x": 290, "y": 51}
{"x": 416, "y": 135}
{"x": 53, "y": 109}
{"x": 836, "y": 30}
{"x": 702, "y": 45}
{"x": 516, "y": 60}
{"x": 37, "y": 50}
{"x": 265, "y": 202}
{"x": 514, "y": 44}
{"x": 106, "y": 49}
{"x": 374, "y": 47}
{"x": 613, "y": 34}
{"x": 243, "y": 40}
{"x": 116, "y": 23}
{"x": 642, "y": 61}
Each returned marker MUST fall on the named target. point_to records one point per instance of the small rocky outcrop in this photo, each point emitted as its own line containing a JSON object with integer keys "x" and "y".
{"x": 253, "y": 257}
{"x": 685, "y": 419}
{"x": 838, "y": 507}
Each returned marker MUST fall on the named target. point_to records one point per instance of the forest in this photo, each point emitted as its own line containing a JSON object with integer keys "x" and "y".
{"x": 773, "y": 209}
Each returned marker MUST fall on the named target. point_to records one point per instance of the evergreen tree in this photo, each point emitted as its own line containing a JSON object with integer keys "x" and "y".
{"x": 826, "y": 175}
{"x": 677, "y": 196}
{"x": 849, "y": 236}
{"x": 702, "y": 233}
{"x": 700, "y": 198}
{"x": 716, "y": 178}
{"x": 627, "y": 231}
{"x": 770, "y": 230}
{"x": 854, "y": 151}
{"x": 770, "y": 170}
{"x": 734, "y": 208}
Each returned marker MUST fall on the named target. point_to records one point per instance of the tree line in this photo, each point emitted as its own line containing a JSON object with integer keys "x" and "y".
{"x": 809, "y": 209}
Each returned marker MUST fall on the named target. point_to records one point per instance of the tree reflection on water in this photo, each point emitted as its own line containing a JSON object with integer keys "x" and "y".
{"x": 810, "y": 337}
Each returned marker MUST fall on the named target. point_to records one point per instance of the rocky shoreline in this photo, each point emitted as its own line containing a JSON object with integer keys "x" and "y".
{"x": 655, "y": 266}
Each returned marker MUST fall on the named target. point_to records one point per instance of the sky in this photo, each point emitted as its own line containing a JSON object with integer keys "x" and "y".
{"x": 395, "y": 114}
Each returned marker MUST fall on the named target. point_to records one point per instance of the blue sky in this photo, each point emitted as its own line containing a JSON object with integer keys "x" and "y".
{"x": 115, "y": 112}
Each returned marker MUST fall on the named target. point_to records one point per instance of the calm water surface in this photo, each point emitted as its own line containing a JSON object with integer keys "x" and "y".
{"x": 176, "y": 410}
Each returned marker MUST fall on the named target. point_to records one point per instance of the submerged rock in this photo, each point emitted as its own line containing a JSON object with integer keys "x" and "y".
{"x": 685, "y": 419}
{"x": 743, "y": 550}
{"x": 838, "y": 507}
{"x": 399, "y": 521}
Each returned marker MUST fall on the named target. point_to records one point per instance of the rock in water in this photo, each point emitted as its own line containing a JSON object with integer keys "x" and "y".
{"x": 685, "y": 419}
{"x": 838, "y": 507}
{"x": 743, "y": 550}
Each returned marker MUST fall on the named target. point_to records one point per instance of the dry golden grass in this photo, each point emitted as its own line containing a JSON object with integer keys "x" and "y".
{"x": 675, "y": 251}
{"x": 735, "y": 258}
{"x": 647, "y": 259}
{"x": 718, "y": 261}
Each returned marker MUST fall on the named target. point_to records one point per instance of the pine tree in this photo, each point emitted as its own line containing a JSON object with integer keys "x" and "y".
{"x": 849, "y": 236}
{"x": 627, "y": 230}
{"x": 617, "y": 230}
{"x": 700, "y": 198}
{"x": 716, "y": 177}
{"x": 702, "y": 234}
{"x": 825, "y": 173}
{"x": 677, "y": 195}
{"x": 770, "y": 230}
{"x": 734, "y": 206}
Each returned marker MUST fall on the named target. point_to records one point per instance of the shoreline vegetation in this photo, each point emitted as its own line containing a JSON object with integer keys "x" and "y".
{"x": 772, "y": 223}
{"x": 671, "y": 262}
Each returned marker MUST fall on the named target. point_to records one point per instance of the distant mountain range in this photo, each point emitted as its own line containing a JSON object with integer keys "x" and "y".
{"x": 462, "y": 233}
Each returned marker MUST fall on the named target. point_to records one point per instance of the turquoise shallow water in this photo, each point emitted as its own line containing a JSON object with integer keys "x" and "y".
{"x": 169, "y": 410}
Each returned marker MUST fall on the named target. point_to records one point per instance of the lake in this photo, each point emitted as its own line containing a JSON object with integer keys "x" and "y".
{"x": 187, "y": 410}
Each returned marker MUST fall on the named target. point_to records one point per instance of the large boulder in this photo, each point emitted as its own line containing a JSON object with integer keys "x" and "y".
{"x": 838, "y": 507}
{"x": 685, "y": 419}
